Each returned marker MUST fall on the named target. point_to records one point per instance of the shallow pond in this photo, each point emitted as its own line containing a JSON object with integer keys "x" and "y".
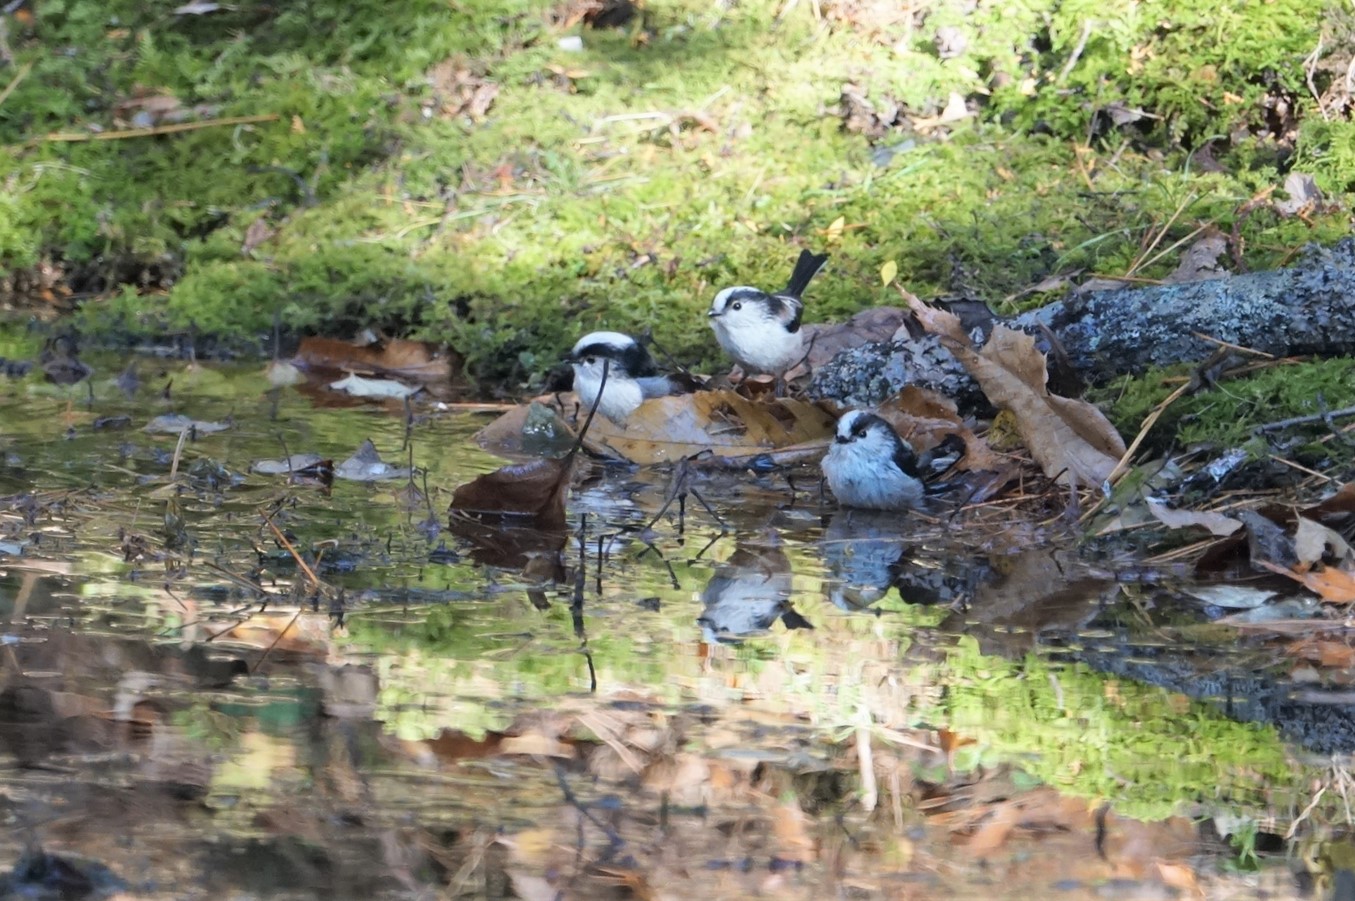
{"x": 788, "y": 700}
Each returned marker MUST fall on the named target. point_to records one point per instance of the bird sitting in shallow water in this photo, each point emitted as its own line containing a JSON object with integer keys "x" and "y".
{"x": 761, "y": 331}
{"x": 632, "y": 377}
{"x": 870, "y": 466}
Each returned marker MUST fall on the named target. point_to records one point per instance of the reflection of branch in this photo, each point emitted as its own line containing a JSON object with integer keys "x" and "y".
{"x": 580, "y": 578}
{"x": 617, "y": 842}
{"x": 678, "y": 489}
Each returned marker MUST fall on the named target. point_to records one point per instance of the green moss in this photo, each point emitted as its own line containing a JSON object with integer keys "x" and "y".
{"x": 1226, "y": 415}
{"x": 621, "y": 186}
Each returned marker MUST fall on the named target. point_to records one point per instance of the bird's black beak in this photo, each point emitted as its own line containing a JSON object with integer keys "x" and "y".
{"x": 568, "y": 358}
{"x": 712, "y": 314}
{"x": 842, "y": 439}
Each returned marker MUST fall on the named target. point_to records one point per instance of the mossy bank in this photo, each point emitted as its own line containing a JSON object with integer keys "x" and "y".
{"x": 504, "y": 174}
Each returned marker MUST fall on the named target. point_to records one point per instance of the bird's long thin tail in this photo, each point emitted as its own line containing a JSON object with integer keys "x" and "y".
{"x": 806, "y": 267}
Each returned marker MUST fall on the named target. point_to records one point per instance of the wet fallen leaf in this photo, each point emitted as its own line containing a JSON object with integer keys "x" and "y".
{"x": 1335, "y": 586}
{"x": 666, "y": 429}
{"x": 293, "y": 464}
{"x": 535, "y": 490}
{"x": 1216, "y": 523}
{"x": 366, "y": 465}
{"x": 280, "y": 373}
{"x": 358, "y": 386}
{"x": 308, "y": 633}
{"x": 1071, "y": 439}
{"x": 395, "y": 357}
{"x": 1326, "y": 653}
{"x": 174, "y": 423}
{"x": 888, "y": 272}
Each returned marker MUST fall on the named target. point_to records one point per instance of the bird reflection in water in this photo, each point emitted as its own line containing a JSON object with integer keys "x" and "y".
{"x": 869, "y": 552}
{"x": 750, "y": 591}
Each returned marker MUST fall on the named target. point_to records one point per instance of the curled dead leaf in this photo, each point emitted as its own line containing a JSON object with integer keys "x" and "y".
{"x": 1071, "y": 439}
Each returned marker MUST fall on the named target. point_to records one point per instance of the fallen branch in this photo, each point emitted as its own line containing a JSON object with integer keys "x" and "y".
{"x": 73, "y": 136}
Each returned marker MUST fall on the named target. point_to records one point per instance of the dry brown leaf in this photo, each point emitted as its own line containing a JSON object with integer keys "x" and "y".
{"x": 1216, "y": 523}
{"x": 827, "y": 340}
{"x": 536, "y": 743}
{"x": 666, "y": 429}
{"x": 925, "y": 418}
{"x": 1201, "y": 260}
{"x": 396, "y": 357}
{"x": 1335, "y": 586}
{"x": 1070, "y": 439}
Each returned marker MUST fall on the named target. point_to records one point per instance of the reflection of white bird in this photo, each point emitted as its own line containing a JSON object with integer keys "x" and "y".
{"x": 748, "y": 592}
{"x": 761, "y": 331}
{"x": 632, "y": 377}
{"x": 862, "y": 551}
{"x": 868, "y": 552}
{"x": 870, "y": 466}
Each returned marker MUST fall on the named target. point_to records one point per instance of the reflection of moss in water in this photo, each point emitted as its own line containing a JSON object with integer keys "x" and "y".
{"x": 1148, "y": 751}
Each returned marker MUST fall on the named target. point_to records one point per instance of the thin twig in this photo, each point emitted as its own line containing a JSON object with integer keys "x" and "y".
{"x": 14, "y": 82}
{"x": 1122, "y": 466}
{"x": 1077, "y": 51}
{"x": 1162, "y": 233}
{"x": 287, "y": 545}
{"x": 74, "y": 136}
{"x": 178, "y": 451}
{"x": 1237, "y": 347}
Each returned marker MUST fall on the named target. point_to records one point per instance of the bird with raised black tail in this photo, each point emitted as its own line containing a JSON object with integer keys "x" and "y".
{"x": 632, "y": 377}
{"x": 870, "y": 466}
{"x": 761, "y": 331}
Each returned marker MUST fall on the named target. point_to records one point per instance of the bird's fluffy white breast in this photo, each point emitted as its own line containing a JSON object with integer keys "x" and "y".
{"x": 619, "y": 398}
{"x": 758, "y": 342}
{"x": 862, "y": 473}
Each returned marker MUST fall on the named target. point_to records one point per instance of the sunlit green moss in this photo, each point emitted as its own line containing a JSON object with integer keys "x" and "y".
{"x": 1226, "y": 415}
{"x": 621, "y": 185}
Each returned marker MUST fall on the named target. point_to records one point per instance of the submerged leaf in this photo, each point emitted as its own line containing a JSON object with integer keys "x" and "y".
{"x": 358, "y": 386}
{"x": 535, "y": 490}
{"x": 366, "y": 465}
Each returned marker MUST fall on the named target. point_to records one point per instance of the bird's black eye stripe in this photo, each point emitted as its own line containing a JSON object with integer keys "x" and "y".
{"x": 589, "y": 360}
{"x": 859, "y": 431}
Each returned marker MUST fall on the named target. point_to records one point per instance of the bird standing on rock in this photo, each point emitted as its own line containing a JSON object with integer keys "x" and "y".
{"x": 761, "y": 331}
{"x": 632, "y": 377}
{"x": 870, "y": 466}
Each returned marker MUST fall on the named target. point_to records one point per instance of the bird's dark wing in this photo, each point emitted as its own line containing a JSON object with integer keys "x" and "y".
{"x": 905, "y": 459}
{"x": 806, "y": 267}
{"x": 789, "y": 310}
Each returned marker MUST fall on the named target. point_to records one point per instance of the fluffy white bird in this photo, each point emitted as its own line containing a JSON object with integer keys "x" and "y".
{"x": 870, "y": 466}
{"x": 632, "y": 376}
{"x": 761, "y": 331}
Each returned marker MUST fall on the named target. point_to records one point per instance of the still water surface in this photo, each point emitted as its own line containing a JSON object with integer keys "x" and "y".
{"x": 419, "y": 730}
